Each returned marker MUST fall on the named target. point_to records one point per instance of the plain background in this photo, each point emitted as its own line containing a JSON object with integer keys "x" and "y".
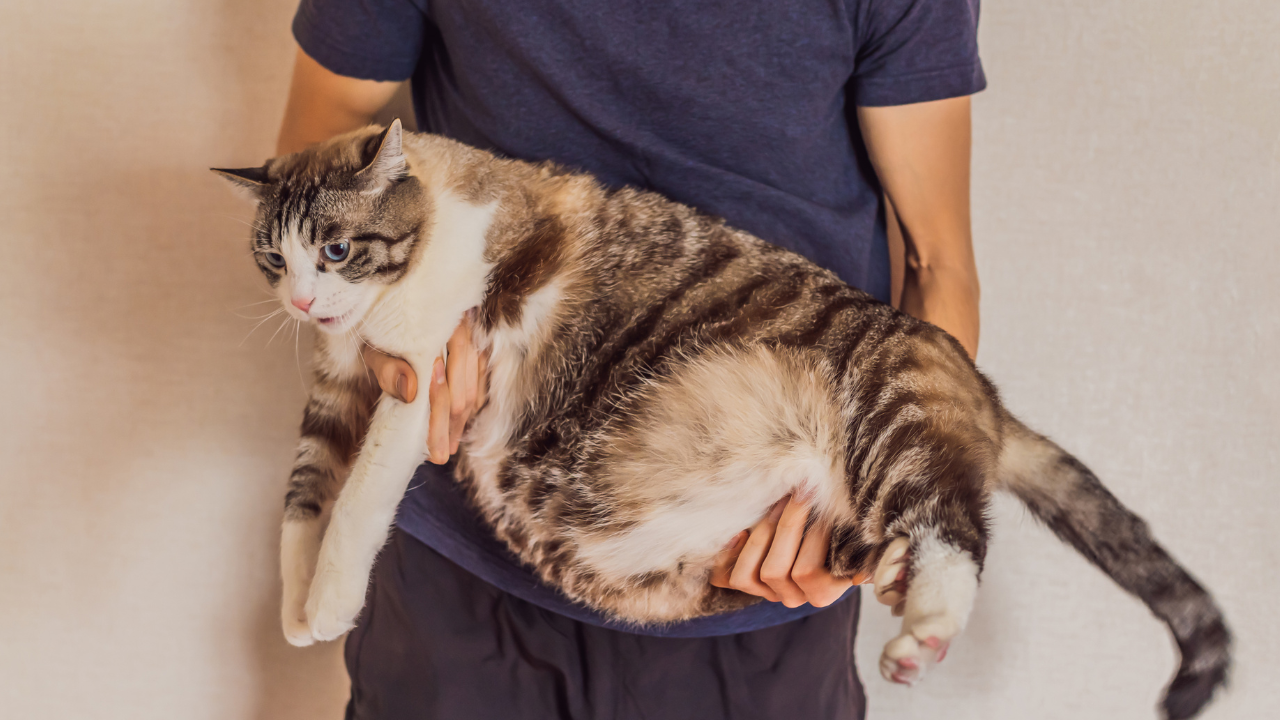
{"x": 1126, "y": 206}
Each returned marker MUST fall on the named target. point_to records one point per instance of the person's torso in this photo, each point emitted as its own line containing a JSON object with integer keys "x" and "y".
{"x": 736, "y": 109}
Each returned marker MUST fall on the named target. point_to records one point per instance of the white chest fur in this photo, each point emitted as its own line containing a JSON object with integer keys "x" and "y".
{"x": 414, "y": 317}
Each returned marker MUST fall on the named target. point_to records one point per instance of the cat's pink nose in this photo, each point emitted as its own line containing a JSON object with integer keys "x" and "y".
{"x": 303, "y": 304}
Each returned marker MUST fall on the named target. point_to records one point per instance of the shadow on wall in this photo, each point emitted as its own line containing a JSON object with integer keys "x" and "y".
{"x": 288, "y": 677}
{"x": 291, "y": 682}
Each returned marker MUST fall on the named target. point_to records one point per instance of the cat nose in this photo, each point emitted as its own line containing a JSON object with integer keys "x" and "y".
{"x": 303, "y": 304}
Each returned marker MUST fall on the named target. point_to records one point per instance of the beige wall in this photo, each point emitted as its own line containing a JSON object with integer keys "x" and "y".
{"x": 1127, "y": 186}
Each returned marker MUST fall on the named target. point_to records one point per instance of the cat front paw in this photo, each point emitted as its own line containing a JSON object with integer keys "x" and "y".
{"x": 299, "y": 548}
{"x": 293, "y": 609}
{"x": 335, "y": 601}
{"x": 296, "y": 628}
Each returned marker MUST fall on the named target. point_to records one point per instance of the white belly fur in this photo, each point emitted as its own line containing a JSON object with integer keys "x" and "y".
{"x": 707, "y": 453}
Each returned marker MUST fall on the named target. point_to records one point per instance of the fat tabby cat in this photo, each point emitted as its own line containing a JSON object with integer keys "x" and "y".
{"x": 657, "y": 381}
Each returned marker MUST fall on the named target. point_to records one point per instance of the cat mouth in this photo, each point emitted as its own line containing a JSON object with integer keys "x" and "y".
{"x": 334, "y": 321}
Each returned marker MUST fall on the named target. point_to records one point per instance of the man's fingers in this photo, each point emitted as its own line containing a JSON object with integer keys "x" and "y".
{"x": 482, "y": 381}
{"x": 472, "y": 367}
{"x": 438, "y": 427}
{"x": 394, "y": 376}
{"x": 810, "y": 572}
{"x": 775, "y": 571}
{"x": 891, "y": 573}
{"x": 724, "y": 561}
{"x": 746, "y": 571}
{"x": 779, "y": 561}
{"x": 456, "y": 373}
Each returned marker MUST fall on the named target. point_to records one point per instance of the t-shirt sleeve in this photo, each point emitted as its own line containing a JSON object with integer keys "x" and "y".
{"x": 912, "y": 51}
{"x": 365, "y": 39}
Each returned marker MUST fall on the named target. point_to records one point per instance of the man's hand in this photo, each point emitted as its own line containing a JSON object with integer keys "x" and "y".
{"x": 456, "y": 391}
{"x": 778, "y": 561}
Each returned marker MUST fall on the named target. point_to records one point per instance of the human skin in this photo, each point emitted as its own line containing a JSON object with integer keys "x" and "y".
{"x": 921, "y": 155}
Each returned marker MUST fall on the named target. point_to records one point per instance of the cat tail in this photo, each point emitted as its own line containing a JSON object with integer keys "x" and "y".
{"x": 1065, "y": 495}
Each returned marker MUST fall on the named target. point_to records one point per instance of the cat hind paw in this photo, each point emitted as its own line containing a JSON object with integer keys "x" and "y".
{"x": 906, "y": 658}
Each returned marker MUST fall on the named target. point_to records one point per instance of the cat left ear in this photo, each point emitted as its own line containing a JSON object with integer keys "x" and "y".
{"x": 250, "y": 182}
{"x": 389, "y": 164}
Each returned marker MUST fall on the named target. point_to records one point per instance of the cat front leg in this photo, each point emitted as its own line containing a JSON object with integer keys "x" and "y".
{"x": 333, "y": 423}
{"x": 299, "y": 550}
{"x": 942, "y": 584}
{"x": 363, "y": 514}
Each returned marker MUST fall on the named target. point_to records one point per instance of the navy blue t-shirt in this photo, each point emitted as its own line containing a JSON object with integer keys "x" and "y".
{"x": 740, "y": 108}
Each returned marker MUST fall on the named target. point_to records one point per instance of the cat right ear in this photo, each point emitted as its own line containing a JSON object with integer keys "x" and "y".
{"x": 388, "y": 164}
{"x": 248, "y": 182}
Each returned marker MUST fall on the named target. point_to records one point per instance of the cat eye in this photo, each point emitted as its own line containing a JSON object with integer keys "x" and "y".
{"x": 337, "y": 251}
{"x": 275, "y": 259}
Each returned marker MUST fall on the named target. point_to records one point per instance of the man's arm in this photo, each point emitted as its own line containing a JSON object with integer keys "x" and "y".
{"x": 323, "y": 104}
{"x": 921, "y": 155}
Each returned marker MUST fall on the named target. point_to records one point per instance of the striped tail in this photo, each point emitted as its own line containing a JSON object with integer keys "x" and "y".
{"x": 1065, "y": 495}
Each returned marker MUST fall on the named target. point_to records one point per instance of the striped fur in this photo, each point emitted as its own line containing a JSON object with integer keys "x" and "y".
{"x": 657, "y": 380}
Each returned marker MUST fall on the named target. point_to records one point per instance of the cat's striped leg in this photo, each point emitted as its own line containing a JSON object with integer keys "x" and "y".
{"x": 333, "y": 423}
{"x": 941, "y": 584}
{"x": 363, "y": 514}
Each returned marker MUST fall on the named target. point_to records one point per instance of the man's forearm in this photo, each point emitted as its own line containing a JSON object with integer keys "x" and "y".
{"x": 921, "y": 155}
{"x": 947, "y": 297}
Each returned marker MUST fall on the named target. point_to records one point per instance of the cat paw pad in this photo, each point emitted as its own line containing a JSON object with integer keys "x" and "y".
{"x": 906, "y": 658}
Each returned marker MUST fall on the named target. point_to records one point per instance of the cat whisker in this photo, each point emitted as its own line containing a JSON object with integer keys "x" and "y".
{"x": 260, "y": 302}
{"x": 254, "y": 224}
{"x": 357, "y": 345}
{"x": 358, "y": 339}
{"x": 277, "y": 332}
{"x": 257, "y": 317}
{"x": 260, "y": 322}
{"x": 297, "y": 332}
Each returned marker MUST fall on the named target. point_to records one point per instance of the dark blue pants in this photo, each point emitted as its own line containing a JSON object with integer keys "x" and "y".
{"x": 435, "y": 641}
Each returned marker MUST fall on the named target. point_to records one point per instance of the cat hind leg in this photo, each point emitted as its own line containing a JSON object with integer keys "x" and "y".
{"x": 943, "y": 581}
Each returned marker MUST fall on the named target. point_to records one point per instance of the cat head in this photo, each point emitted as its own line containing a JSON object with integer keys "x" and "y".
{"x": 336, "y": 224}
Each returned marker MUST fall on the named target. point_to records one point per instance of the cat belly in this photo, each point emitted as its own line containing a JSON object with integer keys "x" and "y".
{"x": 700, "y": 514}
{"x": 702, "y": 455}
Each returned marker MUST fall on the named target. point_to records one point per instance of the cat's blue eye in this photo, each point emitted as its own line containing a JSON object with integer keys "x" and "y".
{"x": 275, "y": 259}
{"x": 337, "y": 252}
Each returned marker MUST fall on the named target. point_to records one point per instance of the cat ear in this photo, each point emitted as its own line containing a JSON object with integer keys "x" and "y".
{"x": 249, "y": 182}
{"x": 389, "y": 164}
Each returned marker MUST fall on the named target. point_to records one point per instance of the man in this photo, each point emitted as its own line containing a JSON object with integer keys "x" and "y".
{"x": 792, "y": 119}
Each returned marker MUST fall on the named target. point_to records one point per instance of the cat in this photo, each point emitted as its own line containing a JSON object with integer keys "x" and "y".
{"x": 657, "y": 381}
